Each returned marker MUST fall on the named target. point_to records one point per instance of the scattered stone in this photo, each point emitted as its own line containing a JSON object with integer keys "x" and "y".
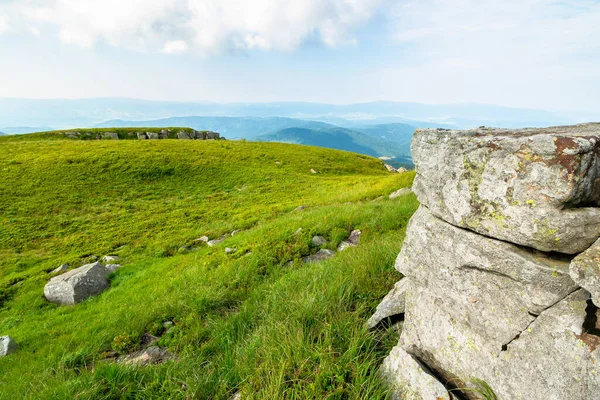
{"x": 152, "y": 135}
{"x": 7, "y": 346}
{"x": 214, "y": 242}
{"x": 150, "y": 355}
{"x": 110, "y": 259}
{"x": 204, "y": 239}
{"x": 354, "y": 237}
{"x": 297, "y": 232}
{"x": 62, "y": 268}
{"x": 313, "y": 171}
{"x": 236, "y": 231}
{"x": 229, "y": 250}
{"x": 352, "y": 240}
{"x": 534, "y": 187}
{"x": 409, "y": 379}
{"x": 142, "y": 136}
{"x": 210, "y": 135}
{"x": 236, "y": 396}
{"x": 148, "y": 340}
{"x": 77, "y": 285}
{"x": 392, "y": 304}
{"x": 585, "y": 271}
{"x": 401, "y": 170}
{"x": 168, "y": 324}
{"x": 278, "y": 162}
{"x": 319, "y": 241}
{"x": 400, "y": 192}
{"x": 389, "y": 168}
{"x": 112, "y": 267}
{"x": 320, "y": 255}
{"x": 299, "y": 208}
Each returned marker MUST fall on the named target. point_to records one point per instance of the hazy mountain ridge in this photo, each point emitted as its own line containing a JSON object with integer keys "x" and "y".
{"x": 63, "y": 113}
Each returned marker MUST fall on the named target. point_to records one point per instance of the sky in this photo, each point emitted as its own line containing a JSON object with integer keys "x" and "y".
{"x": 527, "y": 53}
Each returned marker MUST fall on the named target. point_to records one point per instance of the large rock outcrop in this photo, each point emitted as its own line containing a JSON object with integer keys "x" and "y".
{"x": 535, "y": 187}
{"x": 512, "y": 308}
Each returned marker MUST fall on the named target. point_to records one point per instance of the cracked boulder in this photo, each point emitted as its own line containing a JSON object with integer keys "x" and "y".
{"x": 392, "y": 304}
{"x": 409, "y": 379}
{"x": 483, "y": 308}
{"x": 534, "y": 187}
{"x": 78, "y": 284}
{"x": 585, "y": 271}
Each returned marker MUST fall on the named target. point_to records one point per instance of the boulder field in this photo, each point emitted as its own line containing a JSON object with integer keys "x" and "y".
{"x": 501, "y": 267}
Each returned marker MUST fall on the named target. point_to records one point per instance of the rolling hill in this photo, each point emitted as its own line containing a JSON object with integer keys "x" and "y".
{"x": 255, "y": 320}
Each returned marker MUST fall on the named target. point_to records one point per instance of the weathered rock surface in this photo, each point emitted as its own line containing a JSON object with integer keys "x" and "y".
{"x": 492, "y": 289}
{"x": 400, "y": 192}
{"x": 110, "y": 135}
{"x": 110, "y": 259}
{"x": 112, "y": 267}
{"x": 409, "y": 379}
{"x": 152, "y": 135}
{"x": 393, "y": 304}
{"x": 389, "y": 168}
{"x": 534, "y": 187}
{"x": 7, "y": 346}
{"x": 230, "y": 250}
{"x": 78, "y": 284}
{"x": 352, "y": 240}
{"x": 585, "y": 271}
{"x": 141, "y": 136}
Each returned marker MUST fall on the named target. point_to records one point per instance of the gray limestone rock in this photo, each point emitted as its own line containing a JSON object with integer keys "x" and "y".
{"x": 392, "y": 304}
{"x": 585, "y": 271}
{"x": 77, "y": 285}
{"x": 319, "y": 241}
{"x": 534, "y": 187}
{"x": 490, "y": 287}
{"x": 7, "y": 346}
{"x": 212, "y": 135}
{"x": 183, "y": 135}
{"x": 112, "y": 267}
{"x": 409, "y": 379}
{"x": 230, "y": 250}
{"x": 141, "y": 136}
{"x": 110, "y": 135}
{"x": 150, "y": 355}
{"x": 152, "y": 135}
{"x": 400, "y": 192}
{"x": 389, "y": 168}
{"x": 110, "y": 259}
{"x": 60, "y": 269}
{"x": 320, "y": 255}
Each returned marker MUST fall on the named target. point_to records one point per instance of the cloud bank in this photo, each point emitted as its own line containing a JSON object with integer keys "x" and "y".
{"x": 205, "y": 26}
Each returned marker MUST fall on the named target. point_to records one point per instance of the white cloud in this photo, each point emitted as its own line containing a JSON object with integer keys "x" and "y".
{"x": 4, "y": 26}
{"x": 205, "y": 26}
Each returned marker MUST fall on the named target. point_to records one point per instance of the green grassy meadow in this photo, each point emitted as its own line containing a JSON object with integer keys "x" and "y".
{"x": 249, "y": 321}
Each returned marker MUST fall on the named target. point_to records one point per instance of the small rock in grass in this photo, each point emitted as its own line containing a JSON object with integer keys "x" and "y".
{"x": 354, "y": 236}
{"x": 236, "y": 396}
{"x": 148, "y": 339}
{"x": 214, "y": 242}
{"x": 229, "y": 250}
{"x": 299, "y": 208}
{"x": 389, "y": 168}
{"x": 204, "y": 239}
{"x": 297, "y": 232}
{"x": 151, "y": 355}
{"x": 321, "y": 255}
{"x": 400, "y": 192}
{"x": 112, "y": 267}
{"x": 319, "y": 241}
{"x": 185, "y": 249}
{"x": 236, "y": 231}
{"x": 7, "y": 346}
{"x": 110, "y": 259}
{"x": 313, "y": 171}
{"x": 62, "y": 268}
{"x": 168, "y": 324}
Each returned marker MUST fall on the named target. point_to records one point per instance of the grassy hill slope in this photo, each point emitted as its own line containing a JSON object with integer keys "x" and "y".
{"x": 249, "y": 321}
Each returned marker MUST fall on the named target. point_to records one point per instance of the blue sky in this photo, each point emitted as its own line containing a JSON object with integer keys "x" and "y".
{"x": 528, "y": 53}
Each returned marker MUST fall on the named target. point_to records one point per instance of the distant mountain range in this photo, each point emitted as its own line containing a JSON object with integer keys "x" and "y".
{"x": 88, "y": 112}
{"x": 17, "y": 130}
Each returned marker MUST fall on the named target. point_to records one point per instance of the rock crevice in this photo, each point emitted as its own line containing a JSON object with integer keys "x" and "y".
{"x": 498, "y": 267}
